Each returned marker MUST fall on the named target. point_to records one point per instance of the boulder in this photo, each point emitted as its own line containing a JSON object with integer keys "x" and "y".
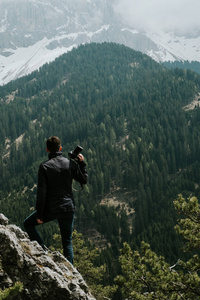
{"x": 45, "y": 275}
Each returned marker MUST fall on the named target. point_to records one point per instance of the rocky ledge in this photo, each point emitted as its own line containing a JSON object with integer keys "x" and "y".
{"x": 44, "y": 275}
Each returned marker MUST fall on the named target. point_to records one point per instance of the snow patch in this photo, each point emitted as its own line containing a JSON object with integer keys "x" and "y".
{"x": 174, "y": 48}
{"x": 134, "y": 31}
{"x": 4, "y": 22}
{"x": 23, "y": 61}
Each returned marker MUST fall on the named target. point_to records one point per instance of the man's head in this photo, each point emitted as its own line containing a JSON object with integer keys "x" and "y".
{"x": 53, "y": 144}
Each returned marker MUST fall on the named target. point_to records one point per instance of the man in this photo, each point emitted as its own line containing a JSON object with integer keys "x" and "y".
{"x": 54, "y": 194}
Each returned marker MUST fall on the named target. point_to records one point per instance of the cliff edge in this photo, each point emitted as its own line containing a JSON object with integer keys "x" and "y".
{"x": 44, "y": 275}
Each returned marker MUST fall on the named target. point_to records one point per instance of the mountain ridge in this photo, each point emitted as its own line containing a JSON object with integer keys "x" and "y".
{"x": 34, "y": 32}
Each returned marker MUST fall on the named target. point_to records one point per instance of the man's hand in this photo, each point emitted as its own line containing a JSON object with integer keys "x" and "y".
{"x": 40, "y": 221}
{"x": 80, "y": 157}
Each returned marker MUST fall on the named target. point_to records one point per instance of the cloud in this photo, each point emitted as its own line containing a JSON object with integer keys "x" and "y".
{"x": 178, "y": 15}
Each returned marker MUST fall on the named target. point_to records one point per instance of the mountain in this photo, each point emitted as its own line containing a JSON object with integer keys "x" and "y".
{"x": 34, "y": 32}
{"x": 140, "y": 141}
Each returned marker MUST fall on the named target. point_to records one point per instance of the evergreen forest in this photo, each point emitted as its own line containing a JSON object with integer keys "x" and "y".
{"x": 140, "y": 142}
{"x": 192, "y": 65}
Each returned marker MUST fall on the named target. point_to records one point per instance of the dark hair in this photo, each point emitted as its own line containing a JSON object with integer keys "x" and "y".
{"x": 53, "y": 144}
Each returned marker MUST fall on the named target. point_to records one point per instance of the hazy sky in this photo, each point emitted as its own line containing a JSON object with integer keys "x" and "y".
{"x": 180, "y": 15}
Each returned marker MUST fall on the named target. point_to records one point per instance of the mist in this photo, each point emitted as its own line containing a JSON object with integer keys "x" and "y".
{"x": 181, "y": 16}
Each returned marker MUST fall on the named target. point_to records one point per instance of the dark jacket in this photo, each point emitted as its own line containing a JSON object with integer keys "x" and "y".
{"x": 54, "y": 190}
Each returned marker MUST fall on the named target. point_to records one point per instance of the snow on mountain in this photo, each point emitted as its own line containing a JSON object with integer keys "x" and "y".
{"x": 35, "y": 32}
{"x": 24, "y": 60}
{"x": 172, "y": 47}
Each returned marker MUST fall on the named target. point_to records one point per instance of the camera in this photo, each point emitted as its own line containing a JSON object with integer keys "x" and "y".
{"x": 75, "y": 153}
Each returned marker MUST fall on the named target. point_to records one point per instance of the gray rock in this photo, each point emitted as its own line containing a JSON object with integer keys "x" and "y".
{"x": 44, "y": 275}
{"x": 3, "y": 220}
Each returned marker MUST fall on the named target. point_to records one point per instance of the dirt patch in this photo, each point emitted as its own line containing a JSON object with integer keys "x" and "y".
{"x": 193, "y": 104}
{"x": 11, "y": 96}
{"x": 19, "y": 140}
{"x": 96, "y": 239}
{"x": 120, "y": 199}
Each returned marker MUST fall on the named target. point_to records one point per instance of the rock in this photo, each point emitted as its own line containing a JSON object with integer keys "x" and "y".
{"x": 44, "y": 275}
{"x": 3, "y": 220}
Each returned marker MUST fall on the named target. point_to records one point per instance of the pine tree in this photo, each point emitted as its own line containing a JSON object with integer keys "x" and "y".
{"x": 145, "y": 275}
{"x": 84, "y": 262}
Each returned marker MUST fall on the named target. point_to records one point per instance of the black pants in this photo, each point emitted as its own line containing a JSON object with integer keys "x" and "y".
{"x": 65, "y": 222}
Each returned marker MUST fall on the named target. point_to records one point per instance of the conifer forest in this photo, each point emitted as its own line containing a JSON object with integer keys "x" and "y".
{"x": 138, "y": 123}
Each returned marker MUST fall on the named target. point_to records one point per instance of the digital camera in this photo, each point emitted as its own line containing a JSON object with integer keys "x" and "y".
{"x": 75, "y": 153}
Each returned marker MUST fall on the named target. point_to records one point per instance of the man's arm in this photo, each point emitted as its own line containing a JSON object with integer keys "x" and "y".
{"x": 79, "y": 172}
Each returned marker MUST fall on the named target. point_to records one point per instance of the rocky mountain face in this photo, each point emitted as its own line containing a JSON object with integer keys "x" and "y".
{"x": 34, "y": 32}
{"x": 25, "y": 22}
{"x": 44, "y": 275}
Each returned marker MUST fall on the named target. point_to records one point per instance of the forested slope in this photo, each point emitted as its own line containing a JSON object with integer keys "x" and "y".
{"x": 126, "y": 111}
